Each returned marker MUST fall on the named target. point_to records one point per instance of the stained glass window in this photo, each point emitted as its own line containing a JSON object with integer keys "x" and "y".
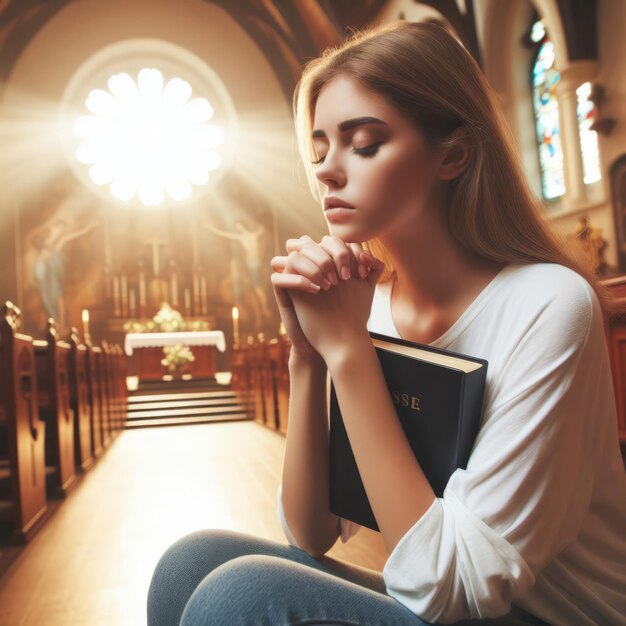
{"x": 588, "y": 138}
{"x": 544, "y": 79}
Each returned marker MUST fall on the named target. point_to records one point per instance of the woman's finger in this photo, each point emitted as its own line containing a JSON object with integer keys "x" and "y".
{"x": 314, "y": 252}
{"x": 341, "y": 254}
{"x": 280, "y": 282}
{"x": 317, "y": 255}
{"x": 295, "y": 245}
{"x": 299, "y": 263}
{"x": 278, "y": 263}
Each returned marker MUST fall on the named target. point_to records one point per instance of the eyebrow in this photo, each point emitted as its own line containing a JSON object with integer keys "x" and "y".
{"x": 349, "y": 124}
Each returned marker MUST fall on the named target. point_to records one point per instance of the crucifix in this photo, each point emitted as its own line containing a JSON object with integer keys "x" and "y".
{"x": 156, "y": 245}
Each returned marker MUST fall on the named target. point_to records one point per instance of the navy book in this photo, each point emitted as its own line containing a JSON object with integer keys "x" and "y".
{"x": 438, "y": 397}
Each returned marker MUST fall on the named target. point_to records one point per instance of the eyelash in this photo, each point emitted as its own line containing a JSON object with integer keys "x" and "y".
{"x": 365, "y": 152}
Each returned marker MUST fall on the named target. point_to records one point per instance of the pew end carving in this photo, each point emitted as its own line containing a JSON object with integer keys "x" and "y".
{"x": 52, "y": 357}
{"x": 22, "y": 433}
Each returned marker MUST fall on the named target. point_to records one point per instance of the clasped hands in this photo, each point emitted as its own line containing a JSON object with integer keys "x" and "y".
{"x": 324, "y": 293}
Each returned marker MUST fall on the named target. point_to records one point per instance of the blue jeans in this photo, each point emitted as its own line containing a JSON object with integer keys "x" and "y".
{"x": 225, "y": 578}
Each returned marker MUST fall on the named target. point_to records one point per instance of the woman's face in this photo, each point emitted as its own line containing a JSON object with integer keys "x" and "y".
{"x": 372, "y": 160}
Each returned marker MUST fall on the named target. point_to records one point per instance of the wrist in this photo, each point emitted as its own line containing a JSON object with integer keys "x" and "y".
{"x": 348, "y": 352}
{"x": 299, "y": 360}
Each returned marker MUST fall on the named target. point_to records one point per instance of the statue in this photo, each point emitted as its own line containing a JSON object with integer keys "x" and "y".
{"x": 49, "y": 265}
{"x": 592, "y": 244}
{"x": 250, "y": 243}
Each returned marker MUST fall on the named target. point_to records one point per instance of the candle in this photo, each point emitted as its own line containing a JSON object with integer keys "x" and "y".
{"x": 85, "y": 316}
{"x": 187, "y": 301}
{"x": 235, "y": 326}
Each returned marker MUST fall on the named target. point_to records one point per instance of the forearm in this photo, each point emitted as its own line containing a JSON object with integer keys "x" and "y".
{"x": 382, "y": 452}
{"x": 305, "y": 470}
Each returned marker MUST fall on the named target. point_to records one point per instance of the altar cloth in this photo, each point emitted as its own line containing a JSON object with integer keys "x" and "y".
{"x": 190, "y": 338}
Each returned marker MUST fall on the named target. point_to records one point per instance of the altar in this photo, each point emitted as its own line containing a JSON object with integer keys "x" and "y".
{"x": 145, "y": 352}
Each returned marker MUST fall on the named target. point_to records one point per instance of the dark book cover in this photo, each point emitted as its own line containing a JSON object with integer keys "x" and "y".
{"x": 438, "y": 397}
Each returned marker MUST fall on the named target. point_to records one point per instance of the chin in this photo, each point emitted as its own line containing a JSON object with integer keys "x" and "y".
{"x": 349, "y": 235}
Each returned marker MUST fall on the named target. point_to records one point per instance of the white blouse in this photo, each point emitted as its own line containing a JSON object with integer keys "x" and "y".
{"x": 538, "y": 517}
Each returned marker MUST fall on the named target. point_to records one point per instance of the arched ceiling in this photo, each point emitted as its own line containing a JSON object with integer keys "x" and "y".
{"x": 290, "y": 32}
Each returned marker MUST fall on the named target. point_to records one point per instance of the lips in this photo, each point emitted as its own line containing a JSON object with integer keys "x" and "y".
{"x": 336, "y": 203}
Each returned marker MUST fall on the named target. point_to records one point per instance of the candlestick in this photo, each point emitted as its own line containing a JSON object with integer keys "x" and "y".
{"x": 235, "y": 327}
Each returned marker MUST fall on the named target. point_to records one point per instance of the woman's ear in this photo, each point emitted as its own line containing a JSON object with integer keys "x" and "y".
{"x": 457, "y": 152}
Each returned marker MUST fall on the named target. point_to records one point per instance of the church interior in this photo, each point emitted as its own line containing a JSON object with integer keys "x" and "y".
{"x": 144, "y": 388}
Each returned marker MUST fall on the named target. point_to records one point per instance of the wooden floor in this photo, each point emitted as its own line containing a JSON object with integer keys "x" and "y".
{"x": 92, "y": 562}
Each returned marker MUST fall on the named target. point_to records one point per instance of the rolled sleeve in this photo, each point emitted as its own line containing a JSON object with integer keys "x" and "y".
{"x": 451, "y": 565}
{"x": 283, "y": 521}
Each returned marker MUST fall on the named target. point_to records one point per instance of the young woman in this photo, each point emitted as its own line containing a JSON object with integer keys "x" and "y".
{"x": 434, "y": 238}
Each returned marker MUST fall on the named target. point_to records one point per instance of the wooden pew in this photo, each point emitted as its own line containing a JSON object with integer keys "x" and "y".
{"x": 22, "y": 433}
{"x": 53, "y": 395}
{"x": 79, "y": 402}
{"x": 241, "y": 379}
{"x": 269, "y": 367}
{"x": 121, "y": 387}
{"x": 258, "y": 359}
{"x": 95, "y": 403}
{"x": 260, "y": 378}
{"x": 279, "y": 353}
{"x": 108, "y": 408}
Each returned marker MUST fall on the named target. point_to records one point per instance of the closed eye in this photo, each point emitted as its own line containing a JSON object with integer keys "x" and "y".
{"x": 367, "y": 151}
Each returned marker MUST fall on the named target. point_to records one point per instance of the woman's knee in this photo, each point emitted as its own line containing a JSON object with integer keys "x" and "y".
{"x": 246, "y": 590}
{"x": 182, "y": 566}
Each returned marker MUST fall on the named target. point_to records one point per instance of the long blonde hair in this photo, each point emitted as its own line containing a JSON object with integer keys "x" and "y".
{"x": 429, "y": 76}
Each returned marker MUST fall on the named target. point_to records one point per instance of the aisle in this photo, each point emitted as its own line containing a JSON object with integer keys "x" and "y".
{"x": 91, "y": 563}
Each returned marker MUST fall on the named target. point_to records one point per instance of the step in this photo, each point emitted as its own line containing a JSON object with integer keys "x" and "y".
{"x": 180, "y": 396}
{"x": 149, "y": 406}
{"x": 139, "y": 415}
{"x": 184, "y": 384}
{"x": 182, "y": 421}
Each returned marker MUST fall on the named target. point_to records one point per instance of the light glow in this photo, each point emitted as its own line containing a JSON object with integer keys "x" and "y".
{"x": 148, "y": 138}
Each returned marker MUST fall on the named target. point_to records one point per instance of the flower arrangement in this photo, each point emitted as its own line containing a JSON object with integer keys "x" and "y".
{"x": 167, "y": 320}
{"x": 177, "y": 358}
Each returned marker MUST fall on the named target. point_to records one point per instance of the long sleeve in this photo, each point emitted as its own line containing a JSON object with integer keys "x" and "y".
{"x": 525, "y": 493}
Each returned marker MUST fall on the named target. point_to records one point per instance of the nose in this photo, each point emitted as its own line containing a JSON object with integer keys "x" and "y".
{"x": 331, "y": 172}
